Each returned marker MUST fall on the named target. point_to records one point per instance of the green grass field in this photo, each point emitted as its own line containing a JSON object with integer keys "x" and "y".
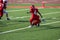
{"x": 48, "y": 30}
{"x": 34, "y": 4}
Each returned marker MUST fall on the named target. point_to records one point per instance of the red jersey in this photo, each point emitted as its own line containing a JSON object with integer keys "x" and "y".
{"x": 1, "y": 9}
{"x": 33, "y": 11}
{"x": 1, "y": 1}
{"x": 1, "y": 6}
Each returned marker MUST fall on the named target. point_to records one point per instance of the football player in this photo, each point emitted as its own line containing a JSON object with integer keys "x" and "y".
{"x": 4, "y": 8}
{"x": 35, "y": 19}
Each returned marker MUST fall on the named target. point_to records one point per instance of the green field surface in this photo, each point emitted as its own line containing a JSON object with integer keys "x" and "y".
{"x": 17, "y": 27}
{"x": 34, "y": 4}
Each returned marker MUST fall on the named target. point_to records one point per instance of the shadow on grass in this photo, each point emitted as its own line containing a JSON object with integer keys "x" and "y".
{"x": 35, "y": 29}
{"x": 47, "y": 27}
{"x": 18, "y": 21}
{"x": 3, "y": 24}
{"x": 23, "y": 21}
{"x": 11, "y": 22}
{"x": 42, "y": 28}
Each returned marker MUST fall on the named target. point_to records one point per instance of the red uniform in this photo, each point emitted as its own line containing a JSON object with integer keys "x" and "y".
{"x": 1, "y": 1}
{"x": 34, "y": 19}
{"x": 1, "y": 8}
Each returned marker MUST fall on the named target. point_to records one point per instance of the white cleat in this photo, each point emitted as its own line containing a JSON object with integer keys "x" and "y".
{"x": 30, "y": 26}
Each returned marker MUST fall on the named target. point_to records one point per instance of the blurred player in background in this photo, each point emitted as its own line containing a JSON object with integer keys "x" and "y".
{"x": 35, "y": 19}
{"x": 1, "y": 8}
{"x": 4, "y": 8}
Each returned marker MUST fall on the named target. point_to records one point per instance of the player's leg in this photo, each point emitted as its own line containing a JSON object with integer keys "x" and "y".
{"x": 7, "y": 17}
{"x": 38, "y": 21}
{"x": 1, "y": 14}
{"x": 34, "y": 22}
{"x": 31, "y": 20}
{"x": 38, "y": 25}
{"x": 0, "y": 17}
{"x": 4, "y": 11}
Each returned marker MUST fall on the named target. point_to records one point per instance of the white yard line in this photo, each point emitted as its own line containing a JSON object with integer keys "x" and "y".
{"x": 26, "y": 28}
{"x": 17, "y": 10}
{"x": 51, "y": 23}
{"x": 51, "y": 13}
{"x": 20, "y": 10}
{"x": 58, "y": 39}
{"x": 19, "y": 17}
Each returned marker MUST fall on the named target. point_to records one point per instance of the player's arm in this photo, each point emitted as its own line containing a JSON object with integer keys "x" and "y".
{"x": 29, "y": 12}
{"x": 40, "y": 14}
{"x": 41, "y": 17}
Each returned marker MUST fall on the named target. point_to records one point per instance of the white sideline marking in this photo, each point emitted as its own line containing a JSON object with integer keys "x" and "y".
{"x": 51, "y": 23}
{"x": 26, "y": 28}
{"x": 13, "y": 30}
{"x": 58, "y": 39}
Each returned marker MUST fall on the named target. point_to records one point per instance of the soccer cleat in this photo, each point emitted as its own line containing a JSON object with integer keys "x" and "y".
{"x": 38, "y": 25}
{"x": 30, "y": 26}
{"x": 0, "y": 17}
{"x": 43, "y": 20}
{"x": 8, "y": 19}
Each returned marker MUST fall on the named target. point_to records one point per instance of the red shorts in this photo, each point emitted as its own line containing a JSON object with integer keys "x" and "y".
{"x": 1, "y": 10}
{"x": 1, "y": 13}
{"x": 34, "y": 19}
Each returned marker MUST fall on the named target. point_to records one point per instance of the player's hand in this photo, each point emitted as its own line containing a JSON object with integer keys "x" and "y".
{"x": 42, "y": 19}
{"x": 27, "y": 12}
